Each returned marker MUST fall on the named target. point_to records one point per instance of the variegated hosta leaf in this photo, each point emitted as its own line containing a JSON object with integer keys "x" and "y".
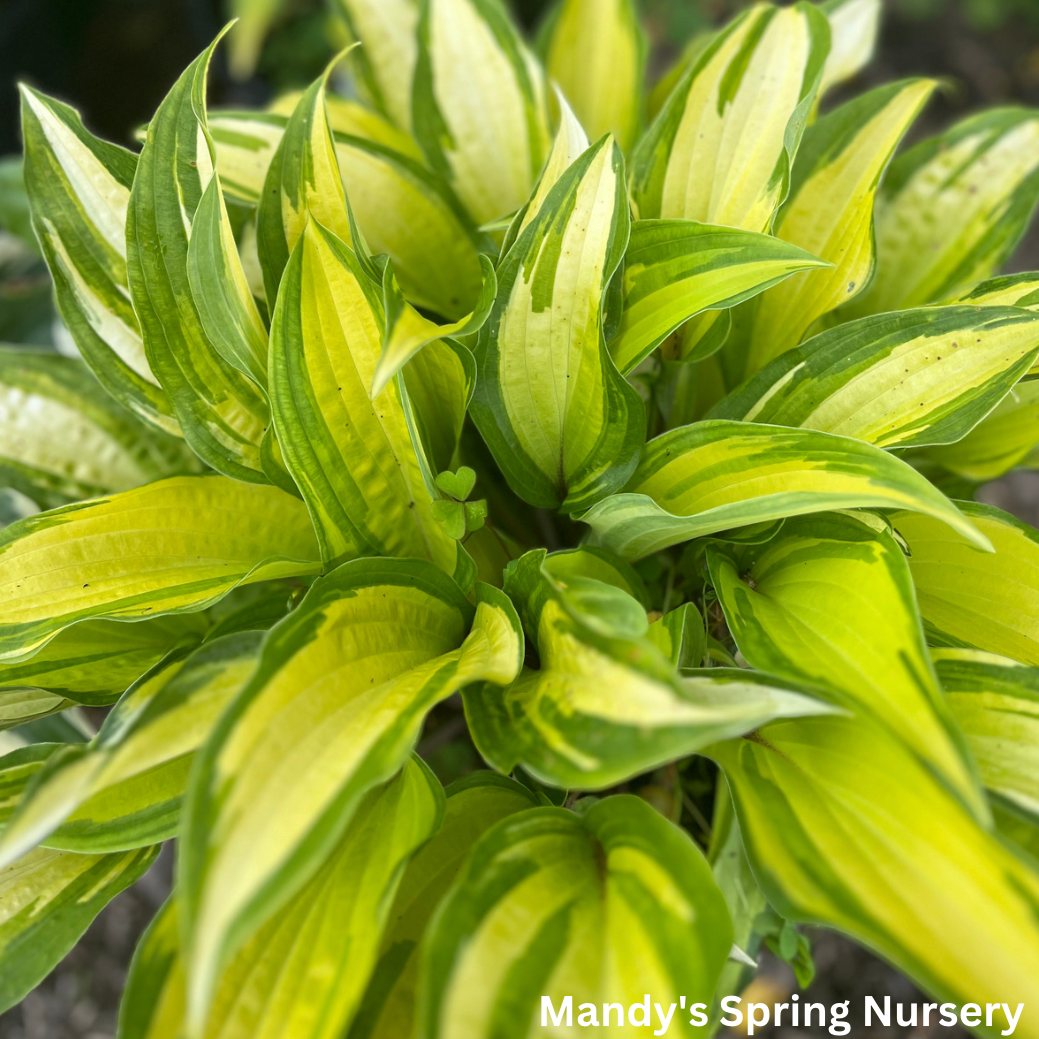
{"x": 479, "y": 105}
{"x": 49, "y": 899}
{"x": 721, "y": 149}
{"x": 245, "y": 143}
{"x": 716, "y": 475}
{"x": 354, "y": 459}
{"x": 560, "y": 420}
{"x": 952, "y": 208}
{"x": 387, "y": 55}
{"x": 595, "y": 52}
{"x": 63, "y": 438}
{"x": 977, "y": 599}
{"x": 1008, "y": 290}
{"x": 606, "y": 703}
{"x": 996, "y": 702}
{"x": 674, "y": 269}
{"x": 474, "y": 804}
{"x": 407, "y": 331}
{"x": 602, "y": 907}
{"x": 334, "y": 707}
{"x": 1001, "y": 441}
{"x": 323, "y": 943}
{"x": 17, "y": 768}
{"x": 907, "y": 379}
{"x": 21, "y": 706}
{"x": 123, "y": 790}
{"x": 845, "y": 827}
{"x": 830, "y": 213}
{"x": 830, "y": 601}
{"x": 303, "y": 183}
{"x": 222, "y": 412}
{"x": 853, "y": 37}
{"x": 169, "y": 547}
{"x": 79, "y": 190}
{"x": 94, "y": 662}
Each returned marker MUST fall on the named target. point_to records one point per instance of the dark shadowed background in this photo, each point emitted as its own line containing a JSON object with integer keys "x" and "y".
{"x": 115, "y": 59}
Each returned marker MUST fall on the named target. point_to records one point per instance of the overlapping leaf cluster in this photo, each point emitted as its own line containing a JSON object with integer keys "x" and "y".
{"x": 716, "y": 365}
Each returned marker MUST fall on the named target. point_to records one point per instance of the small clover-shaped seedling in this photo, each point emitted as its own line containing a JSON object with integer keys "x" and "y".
{"x": 458, "y": 485}
{"x": 457, "y": 515}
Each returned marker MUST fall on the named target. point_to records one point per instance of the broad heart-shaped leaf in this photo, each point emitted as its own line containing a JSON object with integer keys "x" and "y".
{"x": 978, "y": 183}
{"x": 324, "y": 942}
{"x": 601, "y": 907}
{"x": 717, "y": 475}
{"x": 123, "y": 557}
{"x": 302, "y": 183}
{"x": 1001, "y": 441}
{"x": 830, "y": 214}
{"x": 355, "y": 460}
{"x": 830, "y": 601}
{"x": 907, "y": 379}
{"x": 49, "y": 899}
{"x": 79, "y": 190}
{"x": 94, "y": 662}
{"x": 845, "y": 827}
{"x": 674, "y": 269}
{"x": 478, "y": 105}
{"x": 123, "y": 790}
{"x": 334, "y": 707}
{"x": 996, "y": 702}
{"x": 722, "y": 147}
{"x": 560, "y": 420}
{"x": 63, "y": 437}
{"x": 595, "y": 52}
{"x": 977, "y": 599}
{"x": 222, "y": 413}
{"x": 853, "y": 36}
{"x": 386, "y": 57}
{"x": 474, "y": 804}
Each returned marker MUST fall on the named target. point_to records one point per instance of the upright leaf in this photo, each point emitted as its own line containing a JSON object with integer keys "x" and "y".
{"x": 559, "y": 418}
{"x": 716, "y": 475}
{"x": 478, "y": 105}
{"x": 79, "y": 191}
{"x": 722, "y": 147}
{"x": 952, "y": 208}
{"x": 853, "y": 37}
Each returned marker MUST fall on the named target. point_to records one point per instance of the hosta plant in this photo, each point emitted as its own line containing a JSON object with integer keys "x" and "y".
{"x": 608, "y": 455}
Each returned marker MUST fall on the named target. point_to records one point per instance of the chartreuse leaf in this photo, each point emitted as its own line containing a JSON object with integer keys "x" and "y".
{"x": 63, "y": 438}
{"x": 474, "y": 804}
{"x": 830, "y": 214}
{"x": 996, "y": 702}
{"x": 906, "y": 379}
{"x": 971, "y": 598}
{"x": 94, "y": 662}
{"x": 349, "y": 677}
{"x": 303, "y": 183}
{"x": 602, "y": 907}
{"x": 1002, "y": 440}
{"x": 560, "y": 420}
{"x": 606, "y": 704}
{"x": 845, "y": 827}
{"x": 123, "y": 790}
{"x": 17, "y": 768}
{"x": 978, "y": 183}
{"x": 595, "y": 52}
{"x": 407, "y": 331}
{"x": 674, "y": 269}
{"x": 245, "y": 143}
{"x": 387, "y": 55}
{"x": 716, "y": 475}
{"x": 722, "y": 147}
{"x": 79, "y": 190}
{"x": 472, "y": 62}
{"x": 222, "y": 412}
{"x": 1008, "y": 290}
{"x": 49, "y": 898}
{"x": 830, "y": 601}
{"x": 366, "y": 485}
{"x": 169, "y": 547}
{"x": 853, "y": 37}
{"x": 324, "y": 941}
